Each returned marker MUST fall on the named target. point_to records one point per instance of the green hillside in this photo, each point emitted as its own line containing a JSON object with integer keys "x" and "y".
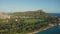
{"x": 25, "y": 22}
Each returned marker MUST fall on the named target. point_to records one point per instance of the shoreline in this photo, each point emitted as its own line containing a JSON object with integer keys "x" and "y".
{"x": 42, "y": 29}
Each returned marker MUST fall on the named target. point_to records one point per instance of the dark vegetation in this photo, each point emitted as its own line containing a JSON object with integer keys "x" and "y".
{"x": 24, "y": 22}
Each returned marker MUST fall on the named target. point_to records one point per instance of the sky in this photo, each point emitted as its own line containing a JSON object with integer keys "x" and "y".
{"x": 49, "y": 6}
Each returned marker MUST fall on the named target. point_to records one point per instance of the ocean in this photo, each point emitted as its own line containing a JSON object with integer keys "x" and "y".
{"x": 53, "y": 30}
{"x": 55, "y": 14}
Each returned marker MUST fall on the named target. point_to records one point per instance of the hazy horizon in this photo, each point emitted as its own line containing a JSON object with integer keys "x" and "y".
{"x": 49, "y": 6}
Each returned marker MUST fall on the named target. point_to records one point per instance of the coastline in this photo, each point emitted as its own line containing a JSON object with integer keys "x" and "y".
{"x": 42, "y": 29}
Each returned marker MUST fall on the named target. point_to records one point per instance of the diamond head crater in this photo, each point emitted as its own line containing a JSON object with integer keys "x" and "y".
{"x": 29, "y": 22}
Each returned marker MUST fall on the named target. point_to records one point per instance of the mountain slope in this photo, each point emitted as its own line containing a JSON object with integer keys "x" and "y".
{"x": 25, "y": 22}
